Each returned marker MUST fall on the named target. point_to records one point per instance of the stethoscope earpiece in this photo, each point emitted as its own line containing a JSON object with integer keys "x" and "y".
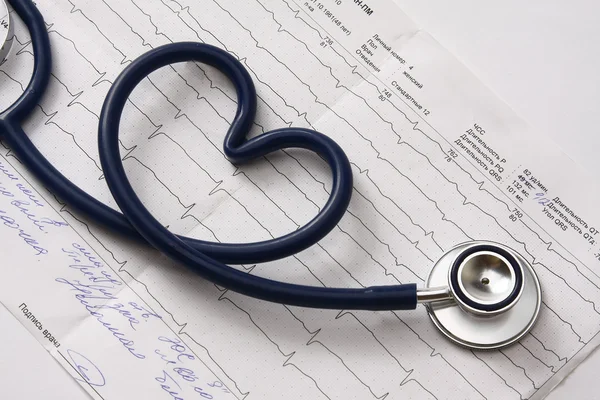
{"x": 482, "y": 295}
{"x": 6, "y": 29}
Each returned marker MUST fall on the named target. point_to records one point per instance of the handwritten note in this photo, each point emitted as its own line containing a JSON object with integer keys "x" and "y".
{"x": 90, "y": 300}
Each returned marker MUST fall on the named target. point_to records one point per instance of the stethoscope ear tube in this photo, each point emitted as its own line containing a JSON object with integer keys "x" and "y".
{"x": 6, "y": 31}
{"x": 42, "y": 66}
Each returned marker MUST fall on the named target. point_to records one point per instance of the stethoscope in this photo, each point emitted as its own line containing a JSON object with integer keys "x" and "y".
{"x": 480, "y": 294}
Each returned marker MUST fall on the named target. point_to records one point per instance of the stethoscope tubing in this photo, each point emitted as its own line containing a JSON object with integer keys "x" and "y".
{"x": 205, "y": 258}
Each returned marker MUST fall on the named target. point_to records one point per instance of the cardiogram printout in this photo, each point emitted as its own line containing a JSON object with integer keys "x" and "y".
{"x": 437, "y": 160}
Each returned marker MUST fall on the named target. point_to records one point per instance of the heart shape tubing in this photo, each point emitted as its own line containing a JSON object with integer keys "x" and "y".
{"x": 238, "y": 149}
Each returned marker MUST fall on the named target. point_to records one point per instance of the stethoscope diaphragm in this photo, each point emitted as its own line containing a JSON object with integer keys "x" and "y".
{"x": 492, "y": 295}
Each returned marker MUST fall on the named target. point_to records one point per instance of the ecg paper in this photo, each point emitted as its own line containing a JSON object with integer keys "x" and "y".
{"x": 437, "y": 160}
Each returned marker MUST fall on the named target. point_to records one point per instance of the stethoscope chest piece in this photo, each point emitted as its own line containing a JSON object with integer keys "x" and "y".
{"x": 5, "y": 31}
{"x": 494, "y": 295}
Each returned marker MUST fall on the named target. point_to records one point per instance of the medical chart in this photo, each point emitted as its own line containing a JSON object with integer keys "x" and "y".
{"x": 437, "y": 158}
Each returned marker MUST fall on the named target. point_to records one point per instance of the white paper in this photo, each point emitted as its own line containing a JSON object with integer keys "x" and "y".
{"x": 437, "y": 159}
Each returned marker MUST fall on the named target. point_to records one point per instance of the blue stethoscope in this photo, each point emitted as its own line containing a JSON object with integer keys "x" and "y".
{"x": 479, "y": 294}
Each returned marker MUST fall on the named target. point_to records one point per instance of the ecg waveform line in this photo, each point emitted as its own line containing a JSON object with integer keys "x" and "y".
{"x": 298, "y": 161}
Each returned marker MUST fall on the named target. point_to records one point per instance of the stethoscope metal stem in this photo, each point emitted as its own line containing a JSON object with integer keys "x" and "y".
{"x": 431, "y": 295}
